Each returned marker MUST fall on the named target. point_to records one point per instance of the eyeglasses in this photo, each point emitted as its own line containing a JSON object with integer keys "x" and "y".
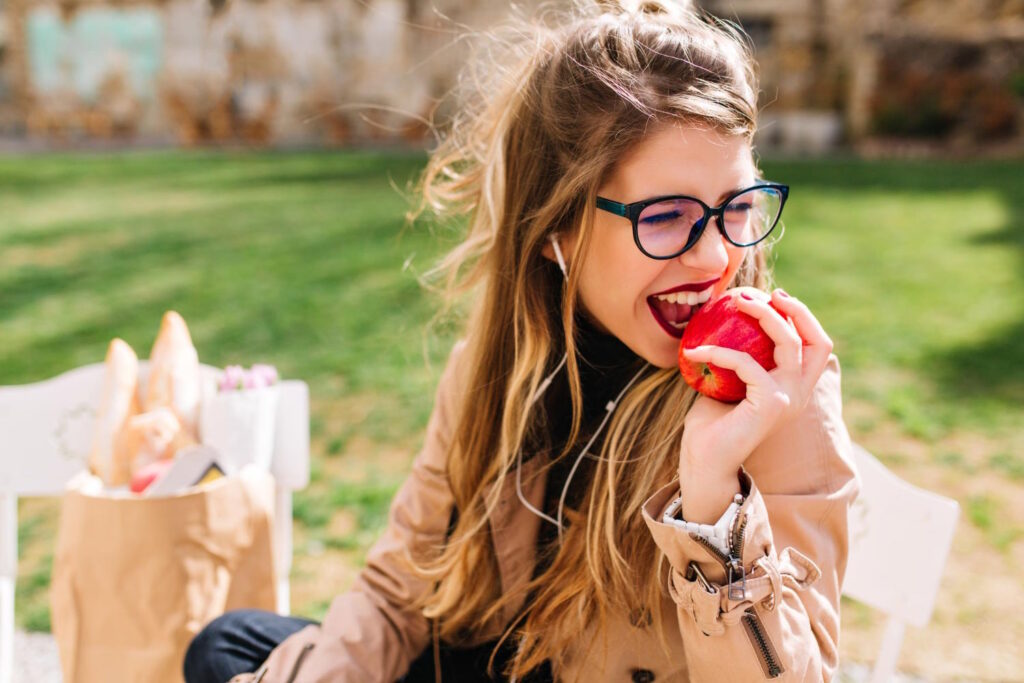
{"x": 665, "y": 227}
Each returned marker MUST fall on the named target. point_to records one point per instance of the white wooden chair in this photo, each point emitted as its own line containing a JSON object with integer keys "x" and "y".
{"x": 900, "y": 536}
{"x": 45, "y": 437}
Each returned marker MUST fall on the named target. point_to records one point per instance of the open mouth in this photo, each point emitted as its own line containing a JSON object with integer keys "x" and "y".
{"x": 671, "y": 317}
{"x": 673, "y": 311}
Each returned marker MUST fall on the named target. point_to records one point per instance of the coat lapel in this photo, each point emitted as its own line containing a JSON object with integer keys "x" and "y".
{"x": 514, "y": 530}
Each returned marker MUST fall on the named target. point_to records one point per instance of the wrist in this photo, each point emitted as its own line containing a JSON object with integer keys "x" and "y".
{"x": 717, "y": 534}
{"x": 705, "y": 499}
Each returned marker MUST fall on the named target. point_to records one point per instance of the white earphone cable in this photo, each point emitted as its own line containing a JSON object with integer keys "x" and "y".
{"x": 609, "y": 409}
{"x": 519, "y": 454}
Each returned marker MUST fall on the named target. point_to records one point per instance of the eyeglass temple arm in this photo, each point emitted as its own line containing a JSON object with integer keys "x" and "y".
{"x": 615, "y": 207}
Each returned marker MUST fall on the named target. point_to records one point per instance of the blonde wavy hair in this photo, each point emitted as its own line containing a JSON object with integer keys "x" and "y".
{"x": 543, "y": 116}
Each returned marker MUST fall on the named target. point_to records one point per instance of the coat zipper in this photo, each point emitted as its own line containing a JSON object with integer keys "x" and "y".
{"x": 759, "y": 638}
{"x": 298, "y": 662}
{"x": 733, "y": 565}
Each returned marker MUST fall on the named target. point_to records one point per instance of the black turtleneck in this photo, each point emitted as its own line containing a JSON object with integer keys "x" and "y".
{"x": 605, "y": 365}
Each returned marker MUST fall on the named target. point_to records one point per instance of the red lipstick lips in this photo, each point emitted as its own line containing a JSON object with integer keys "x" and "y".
{"x": 692, "y": 287}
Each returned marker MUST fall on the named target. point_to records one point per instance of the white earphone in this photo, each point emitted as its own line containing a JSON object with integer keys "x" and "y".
{"x": 609, "y": 409}
{"x": 558, "y": 255}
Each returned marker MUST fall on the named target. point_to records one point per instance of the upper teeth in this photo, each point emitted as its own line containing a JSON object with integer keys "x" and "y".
{"x": 689, "y": 298}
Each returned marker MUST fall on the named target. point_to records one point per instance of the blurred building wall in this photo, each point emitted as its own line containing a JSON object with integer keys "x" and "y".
{"x": 334, "y": 71}
{"x": 848, "y": 70}
{"x": 259, "y": 71}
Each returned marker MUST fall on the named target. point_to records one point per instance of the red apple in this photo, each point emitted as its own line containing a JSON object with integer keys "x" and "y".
{"x": 721, "y": 323}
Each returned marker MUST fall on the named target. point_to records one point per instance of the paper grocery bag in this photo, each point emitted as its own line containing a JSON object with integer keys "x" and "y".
{"x": 134, "y": 579}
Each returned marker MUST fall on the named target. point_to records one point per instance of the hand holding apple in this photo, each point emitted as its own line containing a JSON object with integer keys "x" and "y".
{"x": 722, "y": 323}
{"x": 719, "y": 437}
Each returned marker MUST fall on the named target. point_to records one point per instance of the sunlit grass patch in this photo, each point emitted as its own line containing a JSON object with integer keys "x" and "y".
{"x": 989, "y": 514}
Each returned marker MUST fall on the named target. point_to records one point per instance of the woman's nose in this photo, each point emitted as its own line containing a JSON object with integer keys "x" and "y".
{"x": 710, "y": 254}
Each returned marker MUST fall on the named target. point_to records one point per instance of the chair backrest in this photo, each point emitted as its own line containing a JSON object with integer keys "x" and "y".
{"x": 900, "y": 536}
{"x": 46, "y": 430}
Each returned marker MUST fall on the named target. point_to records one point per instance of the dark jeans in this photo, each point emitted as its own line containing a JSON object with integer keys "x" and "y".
{"x": 239, "y": 642}
{"x": 236, "y": 642}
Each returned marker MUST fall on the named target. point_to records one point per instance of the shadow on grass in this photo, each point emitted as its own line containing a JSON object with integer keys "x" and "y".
{"x": 990, "y": 370}
{"x": 256, "y": 303}
{"x": 993, "y": 368}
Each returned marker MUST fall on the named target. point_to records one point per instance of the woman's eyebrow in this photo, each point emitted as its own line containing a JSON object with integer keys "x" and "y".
{"x": 727, "y": 193}
{"x": 733, "y": 191}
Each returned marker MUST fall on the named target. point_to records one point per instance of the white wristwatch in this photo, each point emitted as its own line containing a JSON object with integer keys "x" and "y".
{"x": 717, "y": 534}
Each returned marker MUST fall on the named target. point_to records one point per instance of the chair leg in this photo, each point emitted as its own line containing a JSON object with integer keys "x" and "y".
{"x": 889, "y": 653}
{"x": 8, "y": 574}
{"x": 282, "y": 547}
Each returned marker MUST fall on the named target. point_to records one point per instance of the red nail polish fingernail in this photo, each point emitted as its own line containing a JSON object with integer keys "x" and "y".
{"x": 746, "y": 296}
{"x": 783, "y": 292}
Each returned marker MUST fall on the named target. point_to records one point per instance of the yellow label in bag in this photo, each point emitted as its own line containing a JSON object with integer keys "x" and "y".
{"x": 212, "y": 473}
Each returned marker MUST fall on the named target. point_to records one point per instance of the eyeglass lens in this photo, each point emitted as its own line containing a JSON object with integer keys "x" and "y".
{"x": 665, "y": 227}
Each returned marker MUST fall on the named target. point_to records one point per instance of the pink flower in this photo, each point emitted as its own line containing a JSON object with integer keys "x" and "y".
{"x": 254, "y": 380}
{"x": 259, "y": 376}
{"x": 233, "y": 378}
{"x": 267, "y": 372}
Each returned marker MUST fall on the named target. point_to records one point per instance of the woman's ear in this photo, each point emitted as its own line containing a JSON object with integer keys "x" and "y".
{"x": 553, "y": 251}
{"x": 565, "y": 243}
{"x": 548, "y": 250}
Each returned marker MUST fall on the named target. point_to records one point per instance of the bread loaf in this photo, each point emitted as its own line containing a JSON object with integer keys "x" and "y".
{"x": 174, "y": 381}
{"x": 109, "y": 459}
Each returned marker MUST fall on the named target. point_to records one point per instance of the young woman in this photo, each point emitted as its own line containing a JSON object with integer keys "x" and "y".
{"x": 577, "y": 513}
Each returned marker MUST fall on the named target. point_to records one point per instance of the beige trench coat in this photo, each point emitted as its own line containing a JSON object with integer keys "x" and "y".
{"x": 790, "y": 537}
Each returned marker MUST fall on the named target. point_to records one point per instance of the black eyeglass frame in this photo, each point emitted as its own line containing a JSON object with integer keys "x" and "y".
{"x": 633, "y": 211}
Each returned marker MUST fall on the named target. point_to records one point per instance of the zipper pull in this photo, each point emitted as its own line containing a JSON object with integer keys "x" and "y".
{"x": 736, "y": 571}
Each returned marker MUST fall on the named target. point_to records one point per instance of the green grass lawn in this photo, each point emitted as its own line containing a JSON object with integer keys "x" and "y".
{"x": 301, "y": 260}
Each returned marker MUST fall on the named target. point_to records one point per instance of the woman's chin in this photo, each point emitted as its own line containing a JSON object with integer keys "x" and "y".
{"x": 664, "y": 353}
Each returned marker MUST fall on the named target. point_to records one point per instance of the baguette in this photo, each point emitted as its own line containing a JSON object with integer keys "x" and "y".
{"x": 174, "y": 381}
{"x": 108, "y": 458}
